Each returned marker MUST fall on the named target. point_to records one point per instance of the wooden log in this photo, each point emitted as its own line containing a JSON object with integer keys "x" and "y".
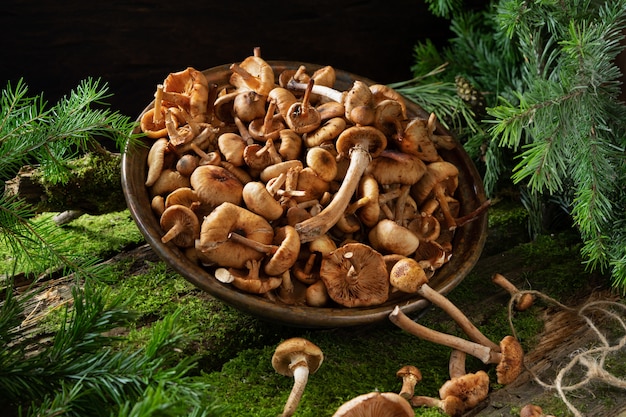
{"x": 93, "y": 186}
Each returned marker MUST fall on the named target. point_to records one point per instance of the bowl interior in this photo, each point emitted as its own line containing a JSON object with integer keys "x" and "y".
{"x": 468, "y": 240}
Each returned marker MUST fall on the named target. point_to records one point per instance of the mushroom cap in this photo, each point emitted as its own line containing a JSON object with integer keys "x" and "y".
{"x": 365, "y": 137}
{"x": 214, "y": 246}
{"x": 376, "y": 404}
{"x": 416, "y": 140}
{"x": 292, "y": 351}
{"x": 287, "y": 253}
{"x": 215, "y": 185}
{"x": 409, "y": 370}
{"x": 262, "y": 73}
{"x": 471, "y": 388}
{"x": 389, "y": 237}
{"x": 184, "y": 196}
{"x": 258, "y": 200}
{"x": 440, "y": 172}
{"x": 363, "y": 285}
{"x": 407, "y": 276}
{"x": 301, "y": 121}
{"x": 322, "y": 162}
{"x": 512, "y": 361}
{"x": 393, "y": 167}
{"x": 369, "y": 213}
{"x": 186, "y": 223}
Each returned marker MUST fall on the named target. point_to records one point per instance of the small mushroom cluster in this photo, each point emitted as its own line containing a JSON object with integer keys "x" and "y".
{"x": 283, "y": 186}
{"x": 463, "y": 391}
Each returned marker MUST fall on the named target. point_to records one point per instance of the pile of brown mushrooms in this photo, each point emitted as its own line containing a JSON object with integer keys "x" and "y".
{"x": 285, "y": 187}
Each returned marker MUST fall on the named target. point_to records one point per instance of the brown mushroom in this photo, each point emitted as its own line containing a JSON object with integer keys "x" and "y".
{"x": 215, "y": 185}
{"x": 168, "y": 181}
{"x": 362, "y": 143}
{"x": 231, "y": 146}
{"x": 508, "y": 358}
{"x": 181, "y": 226}
{"x": 439, "y": 181}
{"x": 408, "y": 276}
{"x": 267, "y": 127}
{"x": 532, "y": 410}
{"x": 322, "y": 162}
{"x": 393, "y": 167}
{"x": 410, "y": 375}
{"x": 290, "y": 144}
{"x": 283, "y": 251}
{"x": 389, "y": 237}
{"x": 248, "y": 280}
{"x": 330, "y": 110}
{"x": 416, "y": 139}
{"x": 283, "y": 99}
{"x": 316, "y": 294}
{"x": 471, "y": 388}
{"x": 388, "y": 117}
{"x": 187, "y": 163}
{"x": 298, "y": 358}
{"x": 156, "y": 160}
{"x": 326, "y": 132}
{"x": 382, "y": 92}
{"x": 192, "y": 87}
{"x": 260, "y": 201}
{"x": 376, "y": 404}
{"x": 452, "y": 406}
{"x": 253, "y": 73}
{"x": 249, "y": 105}
{"x": 215, "y": 247}
{"x": 183, "y": 196}
{"x": 301, "y": 116}
{"x": 355, "y": 275}
{"x": 152, "y": 122}
{"x": 522, "y": 300}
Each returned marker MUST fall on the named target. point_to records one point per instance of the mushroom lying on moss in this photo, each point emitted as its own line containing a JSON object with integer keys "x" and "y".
{"x": 298, "y": 358}
{"x": 376, "y": 404}
{"x": 509, "y": 357}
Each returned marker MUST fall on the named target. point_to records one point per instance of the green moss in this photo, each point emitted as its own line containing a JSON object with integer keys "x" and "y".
{"x": 356, "y": 361}
{"x": 89, "y": 176}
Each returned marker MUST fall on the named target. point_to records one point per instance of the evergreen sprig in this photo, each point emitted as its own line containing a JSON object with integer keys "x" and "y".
{"x": 555, "y": 125}
{"x": 82, "y": 372}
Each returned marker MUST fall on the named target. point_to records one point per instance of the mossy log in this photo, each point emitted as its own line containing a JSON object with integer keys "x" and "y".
{"x": 94, "y": 186}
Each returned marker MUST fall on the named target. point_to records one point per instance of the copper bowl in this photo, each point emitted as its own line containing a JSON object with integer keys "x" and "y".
{"x": 468, "y": 240}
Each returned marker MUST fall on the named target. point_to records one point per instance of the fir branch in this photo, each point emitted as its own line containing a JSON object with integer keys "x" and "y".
{"x": 81, "y": 373}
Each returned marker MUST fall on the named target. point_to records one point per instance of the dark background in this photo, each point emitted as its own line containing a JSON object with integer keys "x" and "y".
{"x": 134, "y": 45}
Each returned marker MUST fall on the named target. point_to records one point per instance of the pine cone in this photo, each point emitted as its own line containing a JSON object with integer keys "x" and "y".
{"x": 470, "y": 95}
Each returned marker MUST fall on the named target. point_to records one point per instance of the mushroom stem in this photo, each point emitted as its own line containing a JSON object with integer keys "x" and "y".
{"x": 452, "y": 406}
{"x": 445, "y": 209}
{"x": 300, "y": 379}
{"x": 253, "y": 244}
{"x": 249, "y": 79}
{"x": 173, "y": 232}
{"x": 473, "y": 215}
{"x": 321, "y": 90}
{"x": 157, "y": 117}
{"x": 485, "y": 354}
{"x": 318, "y": 225}
{"x": 456, "y": 365}
{"x": 522, "y": 301}
{"x": 457, "y": 315}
